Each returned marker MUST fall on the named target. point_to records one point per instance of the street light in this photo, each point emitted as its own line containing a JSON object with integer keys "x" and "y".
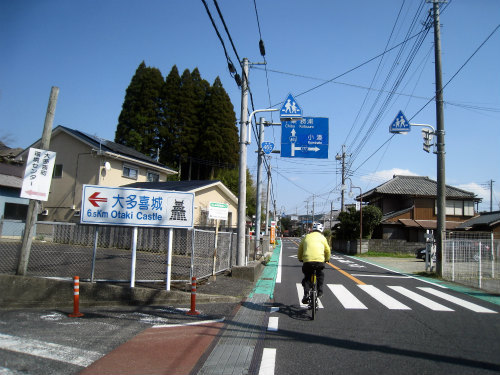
{"x": 351, "y": 194}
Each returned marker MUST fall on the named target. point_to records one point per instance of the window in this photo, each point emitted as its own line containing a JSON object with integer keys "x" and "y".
{"x": 468, "y": 208}
{"x": 130, "y": 172}
{"x": 57, "y": 173}
{"x": 153, "y": 177}
{"x": 14, "y": 211}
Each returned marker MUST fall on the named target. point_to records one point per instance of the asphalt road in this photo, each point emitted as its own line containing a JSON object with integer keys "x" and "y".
{"x": 376, "y": 321}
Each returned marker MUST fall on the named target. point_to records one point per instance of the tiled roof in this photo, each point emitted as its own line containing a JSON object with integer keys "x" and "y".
{"x": 415, "y": 186}
{"x": 485, "y": 218}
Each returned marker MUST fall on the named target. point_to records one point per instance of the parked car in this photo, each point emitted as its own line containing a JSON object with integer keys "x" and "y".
{"x": 420, "y": 253}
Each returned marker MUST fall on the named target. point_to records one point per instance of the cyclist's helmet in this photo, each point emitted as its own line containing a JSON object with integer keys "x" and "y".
{"x": 318, "y": 227}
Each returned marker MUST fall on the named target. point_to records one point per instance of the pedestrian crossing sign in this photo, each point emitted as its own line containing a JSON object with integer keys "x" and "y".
{"x": 290, "y": 108}
{"x": 400, "y": 124}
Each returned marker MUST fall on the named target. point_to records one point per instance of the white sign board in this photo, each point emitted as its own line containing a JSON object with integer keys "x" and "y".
{"x": 218, "y": 211}
{"x": 136, "y": 207}
{"x": 38, "y": 174}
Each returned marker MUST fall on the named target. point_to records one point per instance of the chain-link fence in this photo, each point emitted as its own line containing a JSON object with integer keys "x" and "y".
{"x": 103, "y": 253}
{"x": 472, "y": 258}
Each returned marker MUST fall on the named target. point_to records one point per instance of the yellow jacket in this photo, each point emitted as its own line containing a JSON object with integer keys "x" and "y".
{"x": 314, "y": 248}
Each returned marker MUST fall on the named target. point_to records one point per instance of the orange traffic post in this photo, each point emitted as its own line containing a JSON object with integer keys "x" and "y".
{"x": 193, "y": 298}
{"x": 76, "y": 298}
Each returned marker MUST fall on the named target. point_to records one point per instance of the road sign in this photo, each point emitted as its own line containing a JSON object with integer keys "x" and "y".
{"x": 104, "y": 205}
{"x": 267, "y": 147}
{"x": 38, "y": 174}
{"x": 290, "y": 108}
{"x": 305, "y": 138}
{"x": 400, "y": 124}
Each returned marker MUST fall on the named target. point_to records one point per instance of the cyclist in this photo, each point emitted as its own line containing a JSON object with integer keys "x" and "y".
{"x": 313, "y": 252}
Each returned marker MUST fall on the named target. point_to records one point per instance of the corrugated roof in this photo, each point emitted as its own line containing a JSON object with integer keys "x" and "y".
{"x": 174, "y": 185}
{"x": 416, "y": 186}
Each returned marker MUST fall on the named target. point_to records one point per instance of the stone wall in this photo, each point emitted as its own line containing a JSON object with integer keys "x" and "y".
{"x": 376, "y": 245}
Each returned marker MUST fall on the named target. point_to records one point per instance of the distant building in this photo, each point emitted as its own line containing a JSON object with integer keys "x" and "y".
{"x": 409, "y": 207}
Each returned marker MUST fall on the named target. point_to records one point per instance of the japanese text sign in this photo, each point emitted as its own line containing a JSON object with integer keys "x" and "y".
{"x": 38, "y": 174}
{"x": 136, "y": 207}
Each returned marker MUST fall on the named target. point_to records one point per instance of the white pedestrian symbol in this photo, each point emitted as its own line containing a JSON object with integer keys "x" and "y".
{"x": 290, "y": 107}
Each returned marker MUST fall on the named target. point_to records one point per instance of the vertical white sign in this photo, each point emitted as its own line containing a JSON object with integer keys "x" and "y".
{"x": 38, "y": 174}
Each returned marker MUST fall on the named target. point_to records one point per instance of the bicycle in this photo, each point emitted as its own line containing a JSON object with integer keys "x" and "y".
{"x": 313, "y": 295}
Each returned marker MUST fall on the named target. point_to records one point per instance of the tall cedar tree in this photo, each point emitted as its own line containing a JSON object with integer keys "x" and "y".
{"x": 140, "y": 118}
{"x": 170, "y": 131}
{"x": 219, "y": 131}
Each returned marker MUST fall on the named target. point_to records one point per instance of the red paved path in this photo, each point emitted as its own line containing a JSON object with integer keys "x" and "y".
{"x": 158, "y": 351}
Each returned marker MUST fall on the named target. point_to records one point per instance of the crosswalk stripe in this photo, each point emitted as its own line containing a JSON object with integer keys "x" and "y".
{"x": 420, "y": 299}
{"x": 383, "y": 298}
{"x": 465, "y": 304}
{"x": 300, "y": 292}
{"x": 48, "y": 350}
{"x": 346, "y": 298}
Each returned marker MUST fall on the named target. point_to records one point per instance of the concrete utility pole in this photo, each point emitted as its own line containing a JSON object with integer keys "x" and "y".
{"x": 491, "y": 195}
{"x": 267, "y": 198}
{"x": 242, "y": 191}
{"x": 29, "y": 227}
{"x": 342, "y": 157}
{"x": 441, "y": 180}
{"x": 258, "y": 208}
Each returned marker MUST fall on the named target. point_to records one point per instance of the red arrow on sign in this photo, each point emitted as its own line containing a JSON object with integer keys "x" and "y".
{"x": 93, "y": 199}
{"x": 35, "y": 193}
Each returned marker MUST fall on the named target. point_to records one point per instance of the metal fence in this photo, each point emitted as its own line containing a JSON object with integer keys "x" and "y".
{"x": 472, "y": 258}
{"x": 103, "y": 253}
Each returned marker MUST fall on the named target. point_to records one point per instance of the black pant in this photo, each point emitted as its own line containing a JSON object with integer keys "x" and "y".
{"x": 307, "y": 269}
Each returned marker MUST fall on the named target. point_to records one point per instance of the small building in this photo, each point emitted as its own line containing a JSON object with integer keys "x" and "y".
{"x": 205, "y": 192}
{"x": 484, "y": 222}
{"x": 409, "y": 207}
{"x": 87, "y": 159}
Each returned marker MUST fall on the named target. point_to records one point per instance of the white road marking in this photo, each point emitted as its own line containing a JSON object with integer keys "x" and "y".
{"x": 56, "y": 352}
{"x": 278, "y": 274}
{"x": 195, "y": 323}
{"x": 345, "y": 297}
{"x": 268, "y": 361}
{"x": 383, "y": 298}
{"x": 420, "y": 299}
{"x": 273, "y": 324}
{"x": 466, "y": 304}
{"x": 300, "y": 292}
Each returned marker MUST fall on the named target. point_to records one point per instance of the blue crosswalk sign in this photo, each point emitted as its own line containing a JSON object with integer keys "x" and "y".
{"x": 290, "y": 108}
{"x": 400, "y": 124}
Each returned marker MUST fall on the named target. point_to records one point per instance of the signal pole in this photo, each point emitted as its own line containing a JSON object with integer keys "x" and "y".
{"x": 342, "y": 157}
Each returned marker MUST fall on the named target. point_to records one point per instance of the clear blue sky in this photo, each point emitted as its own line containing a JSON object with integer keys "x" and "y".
{"x": 91, "y": 49}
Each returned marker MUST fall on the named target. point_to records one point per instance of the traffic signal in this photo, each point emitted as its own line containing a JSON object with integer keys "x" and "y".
{"x": 427, "y": 134}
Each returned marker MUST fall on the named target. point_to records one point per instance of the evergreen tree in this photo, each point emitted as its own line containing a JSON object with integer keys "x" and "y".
{"x": 140, "y": 119}
{"x": 170, "y": 131}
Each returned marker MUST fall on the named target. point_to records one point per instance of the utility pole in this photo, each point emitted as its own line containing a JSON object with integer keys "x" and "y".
{"x": 268, "y": 198}
{"x": 258, "y": 208}
{"x": 491, "y": 195}
{"x": 441, "y": 179}
{"x": 29, "y": 227}
{"x": 242, "y": 192}
{"x": 342, "y": 157}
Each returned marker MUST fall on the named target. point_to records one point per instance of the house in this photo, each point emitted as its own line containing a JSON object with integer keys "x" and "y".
{"x": 205, "y": 192}
{"x": 86, "y": 159}
{"x": 484, "y": 222}
{"x": 409, "y": 207}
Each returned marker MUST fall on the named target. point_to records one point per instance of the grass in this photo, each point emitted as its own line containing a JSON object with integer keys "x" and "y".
{"x": 382, "y": 254}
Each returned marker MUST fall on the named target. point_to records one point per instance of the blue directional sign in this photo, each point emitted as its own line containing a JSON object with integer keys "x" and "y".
{"x": 290, "y": 108}
{"x": 305, "y": 138}
{"x": 267, "y": 147}
{"x": 400, "y": 124}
